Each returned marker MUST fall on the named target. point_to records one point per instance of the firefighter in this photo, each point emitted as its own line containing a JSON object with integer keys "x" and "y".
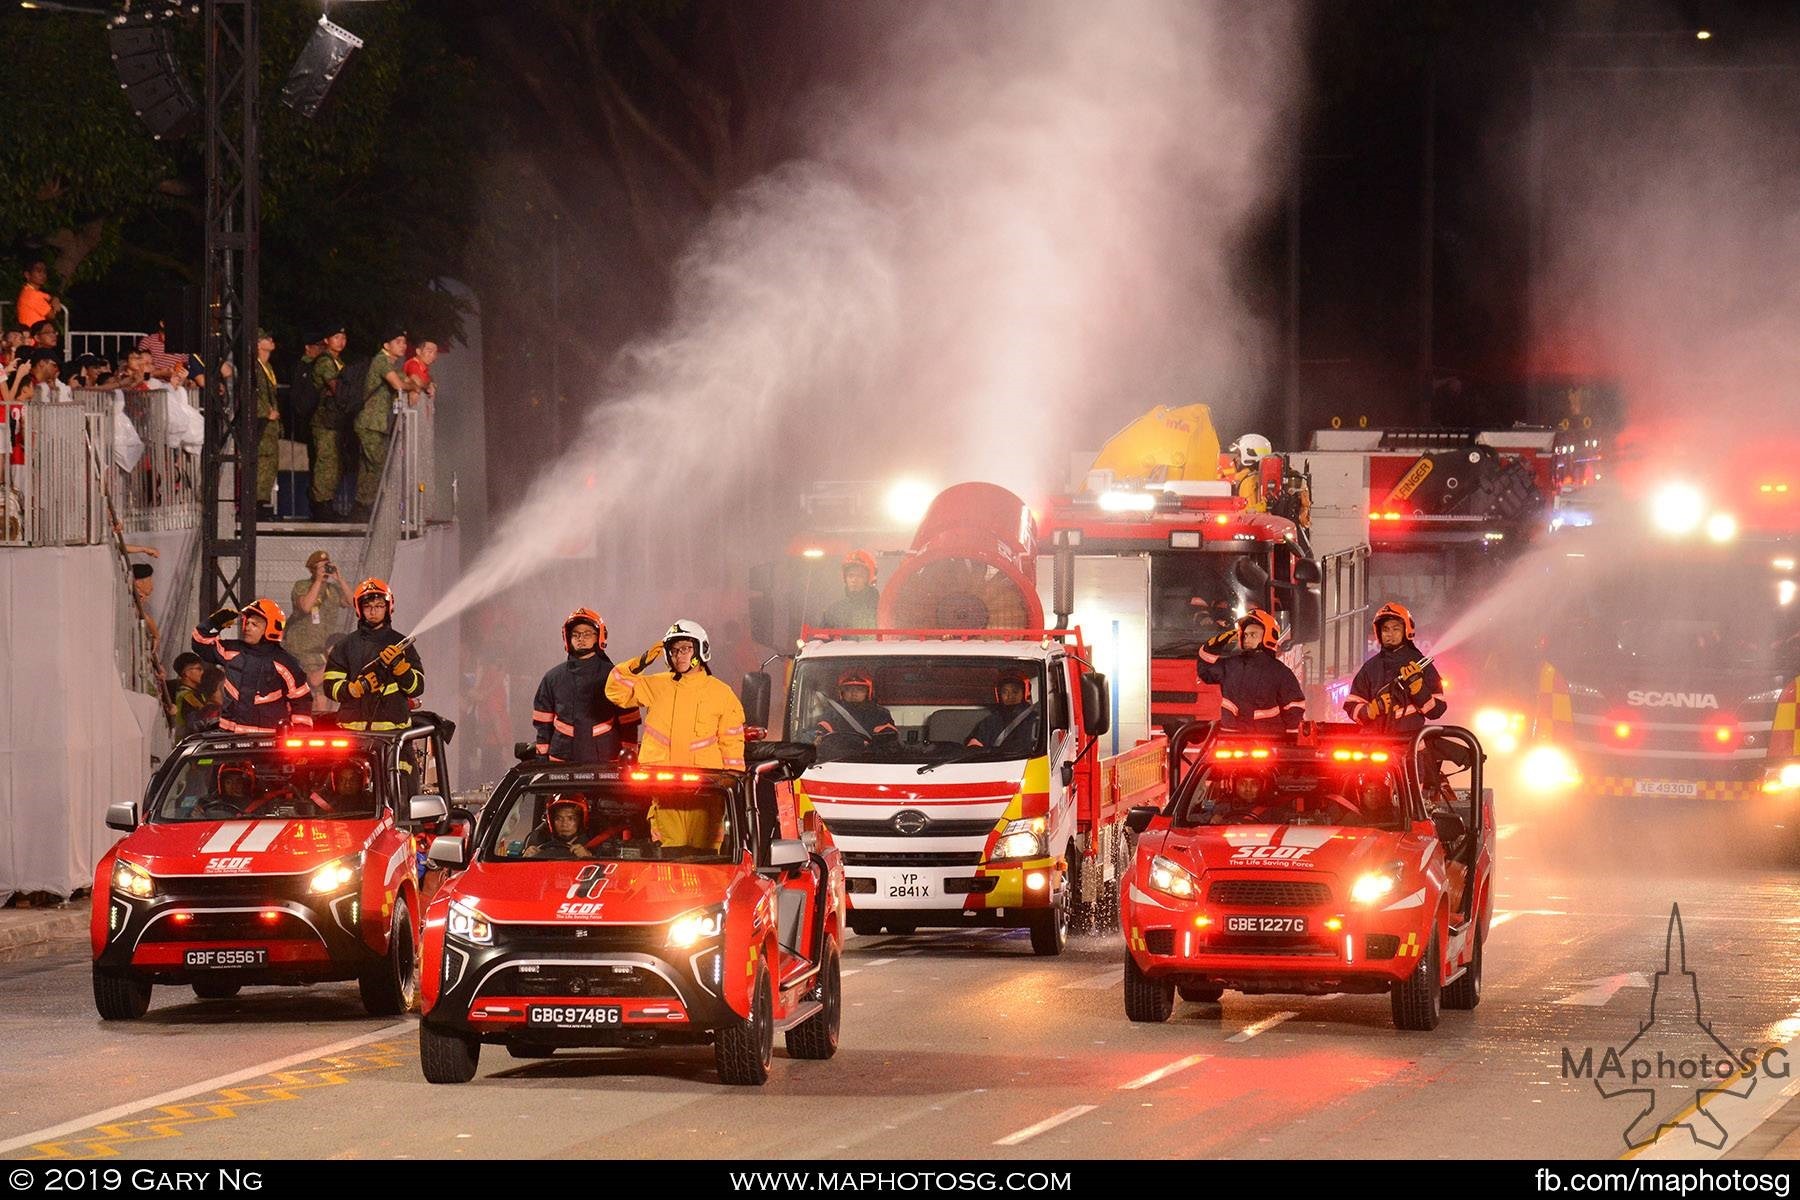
{"x": 1396, "y": 690}
{"x": 563, "y": 833}
{"x": 861, "y": 597}
{"x": 234, "y": 784}
{"x": 1246, "y": 477}
{"x": 1011, "y": 725}
{"x": 573, "y": 719}
{"x": 854, "y": 719}
{"x": 373, "y": 672}
{"x": 265, "y": 686}
{"x": 348, "y": 789}
{"x": 691, "y": 719}
{"x": 1257, "y": 691}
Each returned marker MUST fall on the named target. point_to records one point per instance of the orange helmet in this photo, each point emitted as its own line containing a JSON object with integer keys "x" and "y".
{"x": 583, "y": 616}
{"x": 238, "y": 773}
{"x": 857, "y": 678}
{"x": 863, "y": 559}
{"x": 1008, "y": 675}
{"x": 1392, "y": 611}
{"x": 1270, "y": 627}
{"x": 273, "y": 618}
{"x": 373, "y": 587}
{"x": 573, "y": 800}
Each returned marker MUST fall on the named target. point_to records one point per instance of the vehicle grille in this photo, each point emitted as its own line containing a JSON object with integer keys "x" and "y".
{"x": 1159, "y": 941}
{"x": 1281, "y": 949}
{"x": 1270, "y": 893}
{"x": 588, "y": 939}
{"x": 607, "y": 980}
{"x": 958, "y": 858}
{"x": 884, "y": 827}
{"x": 230, "y": 926}
{"x": 251, "y": 889}
{"x": 1381, "y": 945}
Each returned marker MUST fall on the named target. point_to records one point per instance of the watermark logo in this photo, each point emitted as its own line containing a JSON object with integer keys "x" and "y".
{"x": 1675, "y": 1066}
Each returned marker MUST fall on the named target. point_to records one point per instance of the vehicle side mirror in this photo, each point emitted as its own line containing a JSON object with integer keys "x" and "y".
{"x": 1096, "y": 704}
{"x": 427, "y": 807}
{"x": 122, "y": 816}
{"x": 757, "y": 689}
{"x": 1450, "y": 827}
{"x": 524, "y": 751}
{"x": 1307, "y": 571}
{"x": 1138, "y": 819}
{"x": 1068, "y": 774}
{"x": 787, "y": 852}
{"x": 1251, "y": 574}
{"x": 447, "y": 851}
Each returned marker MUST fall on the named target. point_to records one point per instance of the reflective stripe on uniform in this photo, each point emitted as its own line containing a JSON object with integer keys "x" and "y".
{"x": 540, "y": 716}
{"x": 656, "y": 734}
{"x": 563, "y": 727}
{"x": 1228, "y": 705}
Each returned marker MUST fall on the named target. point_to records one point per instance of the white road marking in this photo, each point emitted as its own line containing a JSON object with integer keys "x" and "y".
{"x": 1047, "y": 1124}
{"x": 1262, "y": 1026}
{"x": 878, "y": 962}
{"x": 1180, "y": 1064}
{"x": 1502, "y": 916}
{"x": 1105, "y": 979}
{"x": 1605, "y": 989}
{"x": 849, "y": 971}
{"x": 106, "y": 1115}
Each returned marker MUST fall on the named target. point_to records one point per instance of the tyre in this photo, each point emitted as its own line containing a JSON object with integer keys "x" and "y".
{"x": 1200, "y": 995}
{"x": 1050, "y": 926}
{"x": 743, "y": 1050}
{"x": 817, "y": 1036}
{"x": 387, "y": 988}
{"x": 867, "y": 926}
{"x": 1147, "y": 999}
{"x": 446, "y": 1056}
{"x": 1464, "y": 992}
{"x": 1418, "y": 1002}
{"x": 529, "y": 1050}
{"x": 120, "y": 997}
{"x": 217, "y": 990}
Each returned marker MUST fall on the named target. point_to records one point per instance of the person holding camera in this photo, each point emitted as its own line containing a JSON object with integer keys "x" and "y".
{"x": 322, "y": 615}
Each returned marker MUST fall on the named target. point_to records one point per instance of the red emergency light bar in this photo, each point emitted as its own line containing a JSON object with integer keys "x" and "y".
{"x": 1257, "y": 752}
{"x": 295, "y": 743}
{"x": 663, "y": 776}
{"x": 1232, "y": 754}
{"x": 1379, "y": 756}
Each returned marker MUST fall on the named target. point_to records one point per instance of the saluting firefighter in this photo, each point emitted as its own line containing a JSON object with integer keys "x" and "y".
{"x": 691, "y": 719}
{"x": 1396, "y": 690}
{"x": 1257, "y": 691}
{"x": 265, "y": 686}
{"x": 571, "y": 716}
{"x": 372, "y": 672}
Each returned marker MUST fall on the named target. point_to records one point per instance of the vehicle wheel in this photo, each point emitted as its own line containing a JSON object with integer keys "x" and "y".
{"x": 1050, "y": 926}
{"x": 387, "y": 989}
{"x": 529, "y": 1050}
{"x": 1464, "y": 991}
{"x": 217, "y": 990}
{"x": 1147, "y": 999}
{"x": 743, "y": 1050}
{"x": 447, "y": 1057}
{"x": 1200, "y": 995}
{"x": 1418, "y": 1002}
{"x": 817, "y": 1036}
{"x": 1084, "y": 915}
{"x": 120, "y": 997}
{"x": 866, "y": 926}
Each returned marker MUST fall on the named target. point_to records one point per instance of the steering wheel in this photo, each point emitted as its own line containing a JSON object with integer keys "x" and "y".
{"x": 220, "y": 806}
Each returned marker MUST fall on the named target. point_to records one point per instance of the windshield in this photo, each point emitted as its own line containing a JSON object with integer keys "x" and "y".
{"x": 1708, "y": 611}
{"x": 613, "y": 822}
{"x": 918, "y": 708}
{"x": 1192, "y": 596}
{"x": 1297, "y": 793}
{"x": 253, "y": 784}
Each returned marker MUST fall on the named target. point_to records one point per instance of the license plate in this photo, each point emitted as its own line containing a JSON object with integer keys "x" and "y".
{"x": 908, "y": 886}
{"x": 571, "y": 1016}
{"x": 1265, "y": 925}
{"x": 1665, "y": 787}
{"x": 258, "y": 957}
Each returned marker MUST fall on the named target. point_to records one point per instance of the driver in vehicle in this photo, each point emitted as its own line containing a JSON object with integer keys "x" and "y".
{"x": 234, "y": 786}
{"x": 1248, "y": 799}
{"x": 1011, "y": 724}
{"x": 854, "y": 715}
{"x": 563, "y": 832}
{"x": 346, "y": 789}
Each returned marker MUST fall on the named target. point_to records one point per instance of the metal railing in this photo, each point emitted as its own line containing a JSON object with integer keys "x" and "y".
{"x": 162, "y": 491}
{"x": 110, "y": 344}
{"x": 48, "y": 494}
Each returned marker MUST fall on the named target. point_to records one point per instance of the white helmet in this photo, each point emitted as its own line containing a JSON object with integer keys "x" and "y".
{"x": 694, "y": 631}
{"x": 1251, "y": 447}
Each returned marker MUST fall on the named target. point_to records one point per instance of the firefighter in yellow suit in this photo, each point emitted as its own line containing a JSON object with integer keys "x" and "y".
{"x": 691, "y": 719}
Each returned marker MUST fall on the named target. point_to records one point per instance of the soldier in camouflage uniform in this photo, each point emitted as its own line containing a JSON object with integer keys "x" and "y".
{"x": 325, "y": 465}
{"x": 268, "y": 418}
{"x": 385, "y": 383}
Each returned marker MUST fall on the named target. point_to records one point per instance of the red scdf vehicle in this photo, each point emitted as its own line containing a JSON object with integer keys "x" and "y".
{"x": 1338, "y": 863}
{"x": 282, "y": 859}
{"x": 636, "y": 906}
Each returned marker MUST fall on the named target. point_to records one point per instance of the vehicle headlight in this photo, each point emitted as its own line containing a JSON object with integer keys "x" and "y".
{"x": 469, "y": 925}
{"x": 1173, "y": 879}
{"x": 1021, "y": 839}
{"x": 1372, "y": 886}
{"x": 132, "y": 879}
{"x": 335, "y": 875}
{"x": 1785, "y": 778}
{"x": 1547, "y": 770}
{"x": 692, "y": 928}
